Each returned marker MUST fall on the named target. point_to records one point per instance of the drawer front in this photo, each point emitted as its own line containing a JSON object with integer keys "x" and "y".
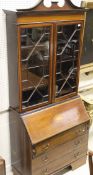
{"x": 61, "y": 151}
{"x": 59, "y": 162}
{"x": 60, "y": 139}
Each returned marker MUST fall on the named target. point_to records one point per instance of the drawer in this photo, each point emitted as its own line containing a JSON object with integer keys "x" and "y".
{"x": 59, "y": 162}
{"x": 81, "y": 140}
{"x": 61, "y": 151}
{"x": 60, "y": 139}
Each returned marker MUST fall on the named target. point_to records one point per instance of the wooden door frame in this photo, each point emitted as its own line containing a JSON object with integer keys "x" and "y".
{"x": 54, "y": 99}
{"x": 20, "y": 65}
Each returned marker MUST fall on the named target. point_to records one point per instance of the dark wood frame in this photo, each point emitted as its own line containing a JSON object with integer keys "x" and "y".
{"x": 53, "y": 39}
{"x": 20, "y": 65}
{"x": 78, "y": 59}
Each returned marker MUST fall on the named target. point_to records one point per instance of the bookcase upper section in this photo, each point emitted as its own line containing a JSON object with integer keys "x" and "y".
{"x": 49, "y": 50}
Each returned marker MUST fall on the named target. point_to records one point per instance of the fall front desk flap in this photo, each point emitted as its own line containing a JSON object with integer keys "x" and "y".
{"x": 49, "y": 122}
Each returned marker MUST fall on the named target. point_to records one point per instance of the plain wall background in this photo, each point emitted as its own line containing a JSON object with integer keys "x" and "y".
{"x": 4, "y": 120}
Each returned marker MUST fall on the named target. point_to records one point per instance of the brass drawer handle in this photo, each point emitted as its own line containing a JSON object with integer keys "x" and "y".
{"x": 76, "y": 154}
{"x": 44, "y": 172}
{"x": 81, "y": 130}
{"x": 77, "y": 142}
{"x": 45, "y": 158}
{"x": 45, "y": 147}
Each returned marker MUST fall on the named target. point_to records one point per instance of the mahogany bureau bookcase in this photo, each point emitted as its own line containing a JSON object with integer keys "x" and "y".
{"x": 50, "y": 121}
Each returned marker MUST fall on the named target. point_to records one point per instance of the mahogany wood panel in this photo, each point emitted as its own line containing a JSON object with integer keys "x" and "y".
{"x": 49, "y": 122}
{"x": 76, "y": 164}
{"x": 49, "y": 156}
{"x": 49, "y": 18}
{"x": 62, "y": 138}
{"x": 60, "y": 162}
{"x": 59, "y": 144}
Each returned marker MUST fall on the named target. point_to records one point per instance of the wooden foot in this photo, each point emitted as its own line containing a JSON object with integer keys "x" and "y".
{"x": 78, "y": 163}
{"x": 91, "y": 162}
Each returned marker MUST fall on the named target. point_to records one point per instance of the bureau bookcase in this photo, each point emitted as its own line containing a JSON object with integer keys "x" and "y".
{"x": 51, "y": 124}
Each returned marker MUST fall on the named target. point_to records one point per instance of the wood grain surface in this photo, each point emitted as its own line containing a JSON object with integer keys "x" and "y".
{"x": 51, "y": 121}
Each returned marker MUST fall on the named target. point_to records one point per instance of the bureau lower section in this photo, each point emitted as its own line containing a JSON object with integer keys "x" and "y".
{"x": 53, "y": 155}
{"x": 61, "y": 156}
{"x": 47, "y": 141}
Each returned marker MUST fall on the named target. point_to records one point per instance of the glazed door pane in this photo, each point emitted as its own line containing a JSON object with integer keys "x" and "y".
{"x": 68, "y": 37}
{"x": 35, "y": 59}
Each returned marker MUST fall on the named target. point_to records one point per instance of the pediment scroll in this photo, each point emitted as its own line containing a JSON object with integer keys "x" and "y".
{"x": 52, "y": 5}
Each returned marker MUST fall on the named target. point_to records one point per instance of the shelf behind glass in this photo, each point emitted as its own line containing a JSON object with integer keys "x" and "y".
{"x": 35, "y": 59}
